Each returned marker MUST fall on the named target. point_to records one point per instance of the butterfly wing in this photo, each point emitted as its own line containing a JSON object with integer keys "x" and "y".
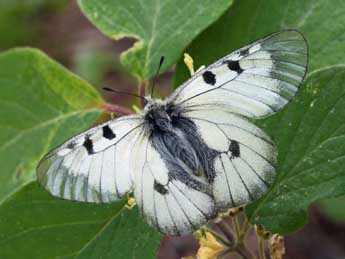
{"x": 167, "y": 203}
{"x": 93, "y": 166}
{"x": 254, "y": 81}
{"x": 246, "y": 161}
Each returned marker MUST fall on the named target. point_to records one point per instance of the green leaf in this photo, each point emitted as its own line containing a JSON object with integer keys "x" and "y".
{"x": 310, "y": 134}
{"x": 35, "y": 225}
{"x": 126, "y": 236}
{"x": 162, "y": 27}
{"x": 321, "y": 21}
{"x": 41, "y": 104}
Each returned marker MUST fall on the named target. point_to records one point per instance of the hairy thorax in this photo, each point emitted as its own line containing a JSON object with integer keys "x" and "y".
{"x": 161, "y": 116}
{"x": 177, "y": 140}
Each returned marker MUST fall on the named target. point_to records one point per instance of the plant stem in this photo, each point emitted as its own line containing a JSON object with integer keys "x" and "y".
{"x": 244, "y": 252}
{"x": 226, "y": 229}
{"x": 245, "y": 227}
{"x": 219, "y": 237}
{"x": 261, "y": 248}
{"x": 237, "y": 228}
{"x": 225, "y": 253}
{"x": 116, "y": 109}
{"x": 239, "y": 246}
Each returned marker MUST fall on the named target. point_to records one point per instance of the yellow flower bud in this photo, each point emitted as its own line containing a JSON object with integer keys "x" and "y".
{"x": 130, "y": 203}
{"x": 277, "y": 246}
{"x": 189, "y": 63}
{"x": 209, "y": 247}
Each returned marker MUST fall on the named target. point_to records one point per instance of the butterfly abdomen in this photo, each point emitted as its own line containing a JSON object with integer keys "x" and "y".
{"x": 177, "y": 140}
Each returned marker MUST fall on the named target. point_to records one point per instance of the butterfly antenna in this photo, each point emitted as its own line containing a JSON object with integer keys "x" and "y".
{"x": 155, "y": 78}
{"x": 122, "y": 92}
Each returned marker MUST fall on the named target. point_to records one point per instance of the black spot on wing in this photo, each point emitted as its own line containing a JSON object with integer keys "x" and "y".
{"x": 107, "y": 132}
{"x": 209, "y": 77}
{"x": 234, "y": 65}
{"x": 71, "y": 145}
{"x": 234, "y": 148}
{"x": 244, "y": 52}
{"x": 160, "y": 188}
{"x": 88, "y": 145}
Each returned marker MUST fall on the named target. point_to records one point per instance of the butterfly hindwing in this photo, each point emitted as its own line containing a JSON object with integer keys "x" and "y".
{"x": 245, "y": 165}
{"x": 168, "y": 204}
{"x": 254, "y": 81}
{"x": 94, "y": 166}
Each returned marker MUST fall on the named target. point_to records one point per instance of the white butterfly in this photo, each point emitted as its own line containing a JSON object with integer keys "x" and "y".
{"x": 195, "y": 153}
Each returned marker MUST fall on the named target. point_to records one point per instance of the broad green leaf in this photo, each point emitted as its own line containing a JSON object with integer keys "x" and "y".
{"x": 321, "y": 21}
{"x": 35, "y": 225}
{"x": 126, "y": 236}
{"x": 162, "y": 27}
{"x": 41, "y": 104}
{"x": 310, "y": 134}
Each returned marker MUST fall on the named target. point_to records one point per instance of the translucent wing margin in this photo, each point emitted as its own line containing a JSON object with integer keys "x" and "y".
{"x": 167, "y": 204}
{"x": 94, "y": 166}
{"x": 254, "y": 81}
{"x": 245, "y": 165}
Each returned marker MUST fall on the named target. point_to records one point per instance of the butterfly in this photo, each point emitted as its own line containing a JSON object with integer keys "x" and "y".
{"x": 194, "y": 154}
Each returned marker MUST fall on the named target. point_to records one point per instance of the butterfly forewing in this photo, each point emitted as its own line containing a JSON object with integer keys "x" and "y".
{"x": 254, "y": 81}
{"x": 94, "y": 165}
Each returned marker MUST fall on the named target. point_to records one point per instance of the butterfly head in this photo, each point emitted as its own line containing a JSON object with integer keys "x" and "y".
{"x": 160, "y": 115}
{"x": 150, "y": 103}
